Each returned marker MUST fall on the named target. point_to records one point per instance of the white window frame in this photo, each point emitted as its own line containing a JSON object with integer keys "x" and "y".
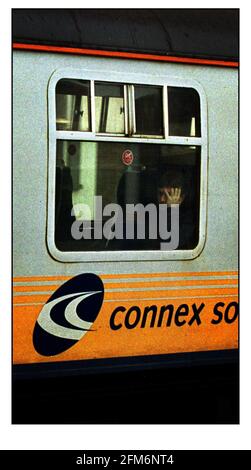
{"x": 54, "y": 135}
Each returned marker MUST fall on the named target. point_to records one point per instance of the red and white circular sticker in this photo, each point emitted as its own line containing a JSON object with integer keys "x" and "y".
{"x": 127, "y": 157}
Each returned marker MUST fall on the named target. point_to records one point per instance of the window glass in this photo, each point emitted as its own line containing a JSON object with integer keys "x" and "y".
{"x": 109, "y": 108}
{"x": 149, "y": 110}
{"x": 73, "y": 105}
{"x": 184, "y": 112}
{"x": 90, "y": 176}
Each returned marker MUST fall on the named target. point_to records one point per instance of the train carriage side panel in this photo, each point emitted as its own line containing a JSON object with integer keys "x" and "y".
{"x": 207, "y": 282}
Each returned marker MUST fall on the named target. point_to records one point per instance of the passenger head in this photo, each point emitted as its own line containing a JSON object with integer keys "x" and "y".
{"x": 171, "y": 188}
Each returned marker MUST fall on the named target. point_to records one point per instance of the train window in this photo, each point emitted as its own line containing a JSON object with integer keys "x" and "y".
{"x": 148, "y": 110}
{"x": 123, "y": 152}
{"x": 109, "y": 108}
{"x": 94, "y": 188}
{"x": 184, "y": 112}
{"x": 73, "y": 105}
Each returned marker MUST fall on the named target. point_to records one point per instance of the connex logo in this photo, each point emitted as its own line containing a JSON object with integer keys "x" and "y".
{"x": 68, "y": 315}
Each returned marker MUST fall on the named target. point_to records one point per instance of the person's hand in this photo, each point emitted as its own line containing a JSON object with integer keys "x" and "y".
{"x": 171, "y": 196}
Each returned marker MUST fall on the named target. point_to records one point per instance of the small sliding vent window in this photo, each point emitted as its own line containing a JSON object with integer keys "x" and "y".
{"x": 183, "y": 112}
{"x": 148, "y": 110}
{"x": 73, "y": 105}
{"x": 139, "y": 111}
{"x": 109, "y": 108}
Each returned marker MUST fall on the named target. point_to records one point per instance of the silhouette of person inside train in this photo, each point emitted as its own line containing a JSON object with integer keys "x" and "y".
{"x": 64, "y": 205}
{"x": 136, "y": 186}
{"x": 173, "y": 189}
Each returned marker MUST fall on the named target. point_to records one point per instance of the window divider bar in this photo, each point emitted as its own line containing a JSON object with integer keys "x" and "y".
{"x": 91, "y": 136}
{"x": 126, "y": 110}
{"x": 93, "y": 118}
{"x": 131, "y": 111}
{"x": 165, "y": 111}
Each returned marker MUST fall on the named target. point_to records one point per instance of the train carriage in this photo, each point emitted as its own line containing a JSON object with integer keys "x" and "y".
{"x": 114, "y": 110}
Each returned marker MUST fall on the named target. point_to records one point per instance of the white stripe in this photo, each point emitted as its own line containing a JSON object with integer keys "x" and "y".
{"x": 17, "y": 294}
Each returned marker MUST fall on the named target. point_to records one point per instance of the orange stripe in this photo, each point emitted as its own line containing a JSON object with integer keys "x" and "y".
{"x": 31, "y": 299}
{"x": 168, "y": 283}
{"x": 171, "y": 274}
{"x": 40, "y": 278}
{"x": 124, "y": 55}
{"x": 127, "y": 276}
{"x": 46, "y": 288}
{"x": 145, "y": 284}
{"x": 165, "y": 294}
{"x": 182, "y": 293}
